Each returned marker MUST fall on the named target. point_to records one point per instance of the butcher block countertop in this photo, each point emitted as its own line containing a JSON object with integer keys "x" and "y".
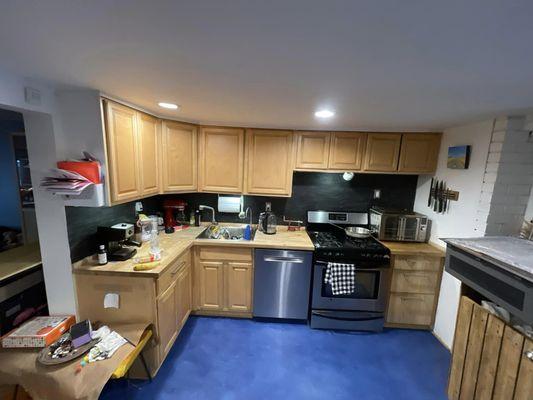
{"x": 175, "y": 244}
{"x": 18, "y": 260}
{"x": 405, "y": 248}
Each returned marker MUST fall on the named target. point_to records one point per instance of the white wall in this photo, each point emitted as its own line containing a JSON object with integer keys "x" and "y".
{"x": 460, "y": 220}
{"x": 42, "y": 132}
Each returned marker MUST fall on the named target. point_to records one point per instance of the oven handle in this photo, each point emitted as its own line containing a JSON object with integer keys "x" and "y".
{"x": 345, "y": 319}
{"x": 324, "y": 264}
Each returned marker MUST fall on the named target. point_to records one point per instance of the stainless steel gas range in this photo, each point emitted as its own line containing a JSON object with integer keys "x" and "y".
{"x": 364, "y": 308}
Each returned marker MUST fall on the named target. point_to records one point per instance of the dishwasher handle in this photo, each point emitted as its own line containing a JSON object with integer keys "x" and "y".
{"x": 292, "y": 260}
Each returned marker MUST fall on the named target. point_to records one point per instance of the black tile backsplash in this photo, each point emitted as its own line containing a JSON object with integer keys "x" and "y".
{"x": 311, "y": 191}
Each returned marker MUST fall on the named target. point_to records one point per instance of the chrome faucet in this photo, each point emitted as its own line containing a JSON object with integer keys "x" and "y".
{"x": 213, "y": 221}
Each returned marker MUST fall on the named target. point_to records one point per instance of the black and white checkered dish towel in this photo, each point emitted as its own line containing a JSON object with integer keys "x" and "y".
{"x": 341, "y": 277}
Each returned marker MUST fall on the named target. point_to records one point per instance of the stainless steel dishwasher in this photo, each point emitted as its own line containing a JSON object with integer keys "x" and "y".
{"x": 282, "y": 282}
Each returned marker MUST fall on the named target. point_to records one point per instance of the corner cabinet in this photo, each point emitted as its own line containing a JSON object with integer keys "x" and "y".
{"x": 223, "y": 281}
{"x": 149, "y": 153}
{"x": 221, "y": 160}
{"x": 132, "y": 152}
{"x": 419, "y": 152}
{"x": 179, "y": 156}
{"x": 269, "y": 162}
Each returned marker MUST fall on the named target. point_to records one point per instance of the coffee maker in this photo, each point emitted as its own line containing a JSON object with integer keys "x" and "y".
{"x": 268, "y": 220}
{"x": 117, "y": 240}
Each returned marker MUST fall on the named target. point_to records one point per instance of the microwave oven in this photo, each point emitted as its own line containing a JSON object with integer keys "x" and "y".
{"x": 399, "y": 226}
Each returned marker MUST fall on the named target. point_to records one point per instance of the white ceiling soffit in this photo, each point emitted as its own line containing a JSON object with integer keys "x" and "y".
{"x": 421, "y": 65}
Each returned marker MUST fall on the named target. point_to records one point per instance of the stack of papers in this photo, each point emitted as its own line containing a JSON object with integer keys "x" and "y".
{"x": 65, "y": 182}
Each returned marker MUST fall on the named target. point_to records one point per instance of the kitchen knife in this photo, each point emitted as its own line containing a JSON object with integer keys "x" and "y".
{"x": 430, "y": 189}
{"x": 445, "y": 197}
{"x": 435, "y": 195}
{"x": 440, "y": 196}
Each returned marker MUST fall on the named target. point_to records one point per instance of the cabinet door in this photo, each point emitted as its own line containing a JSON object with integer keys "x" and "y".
{"x": 167, "y": 319}
{"x": 239, "y": 287}
{"x": 210, "y": 285}
{"x": 346, "y": 151}
{"x": 183, "y": 295}
{"x": 221, "y": 160}
{"x": 410, "y": 309}
{"x": 122, "y": 152}
{"x": 179, "y": 157}
{"x": 148, "y": 153}
{"x": 382, "y": 152}
{"x": 419, "y": 152}
{"x": 269, "y": 163}
{"x": 312, "y": 150}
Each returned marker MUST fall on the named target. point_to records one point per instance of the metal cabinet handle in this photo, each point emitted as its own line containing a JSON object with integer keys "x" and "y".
{"x": 405, "y": 298}
{"x": 529, "y": 355}
{"x": 284, "y": 259}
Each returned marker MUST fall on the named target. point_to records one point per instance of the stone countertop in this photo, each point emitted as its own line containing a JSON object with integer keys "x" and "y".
{"x": 406, "y": 248}
{"x": 175, "y": 244}
{"x": 18, "y": 260}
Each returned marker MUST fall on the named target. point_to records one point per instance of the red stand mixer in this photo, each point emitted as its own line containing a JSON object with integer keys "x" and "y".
{"x": 175, "y": 213}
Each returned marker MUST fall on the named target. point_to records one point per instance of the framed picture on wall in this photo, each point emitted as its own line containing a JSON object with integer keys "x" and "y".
{"x": 458, "y": 157}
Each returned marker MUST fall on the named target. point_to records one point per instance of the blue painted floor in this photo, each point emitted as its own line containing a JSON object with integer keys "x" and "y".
{"x": 220, "y": 358}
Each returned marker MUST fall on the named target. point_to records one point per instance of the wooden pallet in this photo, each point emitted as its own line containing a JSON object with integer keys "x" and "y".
{"x": 489, "y": 358}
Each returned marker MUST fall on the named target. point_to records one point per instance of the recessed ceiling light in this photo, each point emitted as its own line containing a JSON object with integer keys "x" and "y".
{"x": 170, "y": 106}
{"x": 324, "y": 114}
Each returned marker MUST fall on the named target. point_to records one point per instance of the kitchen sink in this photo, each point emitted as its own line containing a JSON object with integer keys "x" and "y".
{"x": 218, "y": 232}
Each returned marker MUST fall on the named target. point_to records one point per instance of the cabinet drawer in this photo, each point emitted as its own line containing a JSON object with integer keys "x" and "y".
{"x": 404, "y": 281}
{"x": 225, "y": 253}
{"x": 171, "y": 273}
{"x": 410, "y": 309}
{"x": 417, "y": 263}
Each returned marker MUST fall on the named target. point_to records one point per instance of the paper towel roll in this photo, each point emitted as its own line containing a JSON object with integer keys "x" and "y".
{"x": 229, "y": 204}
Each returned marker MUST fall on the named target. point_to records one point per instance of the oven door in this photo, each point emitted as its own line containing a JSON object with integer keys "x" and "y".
{"x": 371, "y": 290}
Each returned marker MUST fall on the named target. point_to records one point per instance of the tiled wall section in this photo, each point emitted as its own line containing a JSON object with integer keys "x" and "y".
{"x": 311, "y": 191}
{"x": 509, "y": 174}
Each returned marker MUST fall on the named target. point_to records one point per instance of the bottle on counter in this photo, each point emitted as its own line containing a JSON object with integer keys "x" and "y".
{"x": 197, "y": 218}
{"x": 192, "y": 219}
{"x": 102, "y": 255}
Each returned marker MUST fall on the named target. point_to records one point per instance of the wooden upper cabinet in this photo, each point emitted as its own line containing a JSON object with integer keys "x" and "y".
{"x": 148, "y": 153}
{"x": 382, "y": 152}
{"x": 312, "y": 150}
{"x": 179, "y": 153}
{"x": 221, "y": 160}
{"x": 269, "y": 162}
{"x": 419, "y": 152}
{"x": 122, "y": 152}
{"x": 346, "y": 151}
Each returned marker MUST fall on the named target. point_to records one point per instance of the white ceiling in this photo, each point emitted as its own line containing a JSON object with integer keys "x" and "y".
{"x": 383, "y": 64}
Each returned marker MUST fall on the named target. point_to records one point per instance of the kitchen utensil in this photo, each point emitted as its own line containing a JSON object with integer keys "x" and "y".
{"x": 357, "y": 232}
{"x": 445, "y": 197}
{"x": 441, "y": 196}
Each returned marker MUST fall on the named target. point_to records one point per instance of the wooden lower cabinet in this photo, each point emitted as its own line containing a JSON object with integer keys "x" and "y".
{"x": 414, "y": 291}
{"x": 239, "y": 287}
{"x": 167, "y": 321}
{"x": 489, "y": 358}
{"x": 163, "y": 301}
{"x": 223, "y": 281}
{"x": 210, "y": 285}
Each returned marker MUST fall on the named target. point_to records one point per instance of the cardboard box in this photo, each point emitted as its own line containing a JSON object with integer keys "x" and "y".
{"x": 39, "y": 331}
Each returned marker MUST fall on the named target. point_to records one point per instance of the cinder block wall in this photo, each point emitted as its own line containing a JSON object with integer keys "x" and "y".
{"x": 508, "y": 176}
